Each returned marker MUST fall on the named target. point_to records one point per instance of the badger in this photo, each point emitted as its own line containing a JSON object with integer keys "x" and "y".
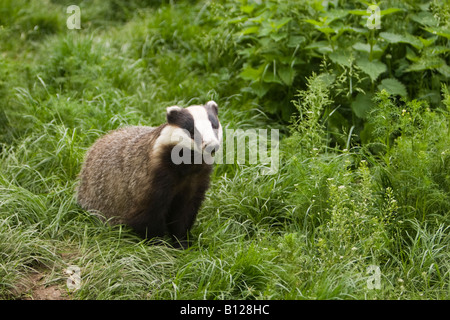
{"x": 152, "y": 178}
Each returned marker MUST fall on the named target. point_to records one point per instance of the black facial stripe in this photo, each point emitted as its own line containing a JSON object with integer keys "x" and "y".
{"x": 183, "y": 119}
{"x": 212, "y": 117}
{"x": 189, "y": 126}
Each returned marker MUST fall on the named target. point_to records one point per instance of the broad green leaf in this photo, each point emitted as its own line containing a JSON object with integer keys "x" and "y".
{"x": 247, "y": 52}
{"x": 377, "y": 52}
{"x": 411, "y": 55}
{"x": 362, "y": 105}
{"x": 321, "y": 46}
{"x": 341, "y": 57}
{"x": 277, "y": 36}
{"x": 251, "y": 74}
{"x": 425, "y": 6}
{"x": 314, "y": 22}
{"x": 277, "y": 24}
{"x": 382, "y": 12}
{"x": 359, "y": 12}
{"x": 366, "y": 47}
{"x": 294, "y": 41}
{"x": 399, "y": 38}
{"x": 428, "y": 42}
{"x": 247, "y": 9}
{"x": 426, "y": 63}
{"x": 270, "y": 77}
{"x": 367, "y": 134}
{"x": 362, "y": 47}
{"x": 391, "y": 37}
{"x": 334, "y": 14}
{"x": 389, "y": 11}
{"x": 237, "y": 20}
{"x": 286, "y": 74}
{"x": 325, "y": 29}
{"x": 340, "y": 29}
{"x": 393, "y": 86}
{"x": 359, "y": 30}
{"x": 436, "y": 50}
{"x": 439, "y": 31}
{"x": 259, "y": 88}
{"x": 425, "y": 18}
{"x": 412, "y": 40}
{"x": 444, "y": 70}
{"x": 372, "y": 68}
{"x": 250, "y": 30}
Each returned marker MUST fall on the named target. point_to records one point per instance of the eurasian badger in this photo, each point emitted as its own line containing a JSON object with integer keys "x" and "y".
{"x": 133, "y": 175}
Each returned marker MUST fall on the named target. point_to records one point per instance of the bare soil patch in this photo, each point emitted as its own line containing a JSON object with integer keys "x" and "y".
{"x": 35, "y": 287}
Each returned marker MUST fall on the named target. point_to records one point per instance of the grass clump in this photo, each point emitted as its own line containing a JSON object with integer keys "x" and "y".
{"x": 363, "y": 179}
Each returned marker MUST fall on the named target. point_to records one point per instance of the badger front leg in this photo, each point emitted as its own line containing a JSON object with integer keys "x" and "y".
{"x": 149, "y": 224}
{"x": 151, "y": 221}
{"x": 182, "y": 214}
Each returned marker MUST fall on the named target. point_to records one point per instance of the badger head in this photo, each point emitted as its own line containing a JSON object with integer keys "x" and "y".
{"x": 194, "y": 130}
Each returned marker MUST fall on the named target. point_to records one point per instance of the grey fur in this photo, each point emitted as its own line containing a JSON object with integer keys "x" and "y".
{"x": 115, "y": 168}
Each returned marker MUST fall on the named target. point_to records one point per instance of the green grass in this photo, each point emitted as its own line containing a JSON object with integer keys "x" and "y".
{"x": 351, "y": 192}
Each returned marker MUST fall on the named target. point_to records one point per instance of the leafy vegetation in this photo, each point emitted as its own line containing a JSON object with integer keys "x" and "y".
{"x": 364, "y": 175}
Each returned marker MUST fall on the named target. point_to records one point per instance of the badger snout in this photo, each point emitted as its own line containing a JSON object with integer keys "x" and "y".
{"x": 211, "y": 148}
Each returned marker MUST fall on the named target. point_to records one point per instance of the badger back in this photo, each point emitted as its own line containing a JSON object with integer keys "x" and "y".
{"x": 114, "y": 168}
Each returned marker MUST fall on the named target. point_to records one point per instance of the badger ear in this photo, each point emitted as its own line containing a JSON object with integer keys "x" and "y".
{"x": 213, "y": 106}
{"x": 172, "y": 113}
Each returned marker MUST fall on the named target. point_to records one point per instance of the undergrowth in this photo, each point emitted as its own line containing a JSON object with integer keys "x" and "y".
{"x": 363, "y": 182}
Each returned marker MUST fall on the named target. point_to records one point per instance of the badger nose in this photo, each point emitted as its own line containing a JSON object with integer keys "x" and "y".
{"x": 211, "y": 148}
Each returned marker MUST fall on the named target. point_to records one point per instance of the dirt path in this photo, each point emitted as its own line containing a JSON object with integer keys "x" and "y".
{"x": 35, "y": 287}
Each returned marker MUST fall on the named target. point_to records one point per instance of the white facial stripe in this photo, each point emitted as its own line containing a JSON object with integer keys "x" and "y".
{"x": 163, "y": 139}
{"x": 182, "y": 138}
{"x": 203, "y": 125}
{"x": 172, "y": 135}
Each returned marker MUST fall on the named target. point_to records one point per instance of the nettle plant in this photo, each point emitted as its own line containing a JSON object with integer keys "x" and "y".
{"x": 400, "y": 47}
